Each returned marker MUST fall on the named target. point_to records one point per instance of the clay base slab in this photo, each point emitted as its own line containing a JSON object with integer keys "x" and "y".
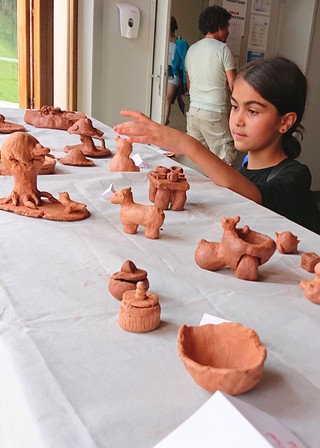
{"x": 48, "y": 210}
{"x": 100, "y": 152}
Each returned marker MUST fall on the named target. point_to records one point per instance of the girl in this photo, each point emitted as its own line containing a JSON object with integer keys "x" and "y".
{"x": 267, "y": 106}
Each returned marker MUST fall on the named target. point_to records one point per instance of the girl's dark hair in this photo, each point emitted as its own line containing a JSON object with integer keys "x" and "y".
{"x": 213, "y": 18}
{"x": 173, "y": 25}
{"x": 280, "y": 82}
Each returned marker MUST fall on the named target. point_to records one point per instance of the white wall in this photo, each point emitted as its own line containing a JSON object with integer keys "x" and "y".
{"x": 115, "y": 70}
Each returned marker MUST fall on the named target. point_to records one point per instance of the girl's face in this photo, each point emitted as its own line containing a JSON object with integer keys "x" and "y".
{"x": 254, "y": 122}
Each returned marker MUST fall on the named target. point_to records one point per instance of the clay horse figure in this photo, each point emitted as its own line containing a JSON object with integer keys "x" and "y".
{"x": 132, "y": 215}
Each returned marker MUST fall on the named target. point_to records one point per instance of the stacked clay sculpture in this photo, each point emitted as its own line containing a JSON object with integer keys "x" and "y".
{"x": 311, "y": 288}
{"x": 126, "y": 279}
{"x": 287, "y": 243}
{"x": 243, "y": 250}
{"x": 52, "y": 117}
{"x": 87, "y": 132}
{"x": 132, "y": 214}
{"x": 168, "y": 187}
{"x": 122, "y": 161}
{"x": 24, "y": 156}
{"x": 139, "y": 310}
{"x": 227, "y": 357}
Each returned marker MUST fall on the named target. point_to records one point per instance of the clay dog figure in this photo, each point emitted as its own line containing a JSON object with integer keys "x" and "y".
{"x": 132, "y": 215}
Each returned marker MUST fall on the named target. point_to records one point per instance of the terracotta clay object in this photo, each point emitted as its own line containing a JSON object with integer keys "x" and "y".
{"x": 24, "y": 156}
{"x": 287, "y": 243}
{"x": 243, "y": 250}
{"x": 48, "y": 166}
{"x": 87, "y": 132}
{"x": 132, "y": 215}
{"x": 228, "y": 357}
{"x": 6, "y": 127}
{"x": 52, "y": 117}
{"x": 311, "y": 288}
{"x": 121, "y": 161}
{"x": 309, "y": 261}
{"x": 126, "y": 279}
{"x": 75, "y": 157}
{"x": 168, "y": 187}
{"x": 139, "y": 310}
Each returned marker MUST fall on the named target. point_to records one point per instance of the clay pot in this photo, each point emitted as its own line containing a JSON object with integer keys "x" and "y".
{"x": 228, "y": 357}
{"x": 126, "y": 279}
{"x": 139, "y": 310}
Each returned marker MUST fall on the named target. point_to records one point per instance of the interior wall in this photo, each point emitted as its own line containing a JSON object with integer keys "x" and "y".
{"x": 120, "y": 66}
{"x": 187, "y": 18}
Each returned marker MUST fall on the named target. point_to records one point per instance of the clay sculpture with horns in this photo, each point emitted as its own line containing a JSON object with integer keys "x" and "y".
{"x": 242, "y": 249}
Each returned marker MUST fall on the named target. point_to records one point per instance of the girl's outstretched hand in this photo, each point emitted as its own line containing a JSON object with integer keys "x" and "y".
{"x": 144, "y": 130}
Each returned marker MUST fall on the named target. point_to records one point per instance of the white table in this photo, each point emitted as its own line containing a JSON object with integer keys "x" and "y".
{"x": 71, "y": 377}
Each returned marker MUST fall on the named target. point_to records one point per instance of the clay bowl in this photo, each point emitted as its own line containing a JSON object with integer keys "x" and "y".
{"x": 228, "y": 357}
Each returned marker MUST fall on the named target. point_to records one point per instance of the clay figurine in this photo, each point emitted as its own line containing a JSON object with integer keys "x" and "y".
{"x": 87, "y": 132}
{"x": 121, "y": 161}
{"x": 287, "y": 243}
{"x": 6, "y": 127}
{"x": 126, "y": 279}
{"x": 52, "y": 117}
{"x": 132, "y": 215}
{"x": 168, "y": 188}
{"x": 139, "y": 310}
{"x": 309, "y": 261}
{"x": 243, "y": 250}
{"x": 75, "y": 157}
{"x": 227, "y": 357}
{"x": 48, "y": 166}
{"x": 24, "y": 156}
{"x": 311, "y": 288}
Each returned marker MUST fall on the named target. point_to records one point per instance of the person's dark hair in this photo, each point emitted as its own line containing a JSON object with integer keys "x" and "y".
{"x": 280, "y": 82}
{"x": 173, "y": 25}
{"x": 213, "y": 18}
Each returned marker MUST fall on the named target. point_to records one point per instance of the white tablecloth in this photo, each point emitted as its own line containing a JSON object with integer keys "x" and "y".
{"x": 71, "y": 377}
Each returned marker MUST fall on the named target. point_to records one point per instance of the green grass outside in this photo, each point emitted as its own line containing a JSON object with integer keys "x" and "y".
{"x": 8, "y": 70}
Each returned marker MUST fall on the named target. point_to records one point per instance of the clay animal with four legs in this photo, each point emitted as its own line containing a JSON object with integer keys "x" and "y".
{"x": 132, "y": 215}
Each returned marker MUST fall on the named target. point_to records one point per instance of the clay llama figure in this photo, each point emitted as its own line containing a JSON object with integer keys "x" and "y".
{"x": 132, "y": 215}
{"x": 121, "y": 161}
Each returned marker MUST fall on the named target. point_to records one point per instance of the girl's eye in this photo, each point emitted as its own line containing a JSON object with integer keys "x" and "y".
{"x": 234, "y": 106}
{"x": 253, "y": 112}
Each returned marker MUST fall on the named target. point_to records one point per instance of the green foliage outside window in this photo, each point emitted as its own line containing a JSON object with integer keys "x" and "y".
{"x": 8, "y": 51}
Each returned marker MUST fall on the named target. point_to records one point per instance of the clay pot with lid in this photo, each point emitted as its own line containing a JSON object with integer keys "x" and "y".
{"x": 139, "y": 310}
{"x": 126, "y": 279}
{"x": 228, "y": 357}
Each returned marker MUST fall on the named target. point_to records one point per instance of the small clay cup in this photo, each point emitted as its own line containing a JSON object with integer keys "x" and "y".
{"x": 228, "y": 357}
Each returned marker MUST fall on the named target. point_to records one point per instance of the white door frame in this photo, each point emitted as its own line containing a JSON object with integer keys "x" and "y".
{"x": 160, "y": 60}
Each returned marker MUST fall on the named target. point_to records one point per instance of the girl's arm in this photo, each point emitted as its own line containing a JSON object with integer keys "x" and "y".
{"x": 144, "y": 130}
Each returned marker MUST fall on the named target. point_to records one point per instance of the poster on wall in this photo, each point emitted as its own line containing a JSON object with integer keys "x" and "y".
{"x": 237, "y": 9}
{"x": 252, "y": 55}
{"x": 258, "y": 33}
{"x": 261, "y": 7}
